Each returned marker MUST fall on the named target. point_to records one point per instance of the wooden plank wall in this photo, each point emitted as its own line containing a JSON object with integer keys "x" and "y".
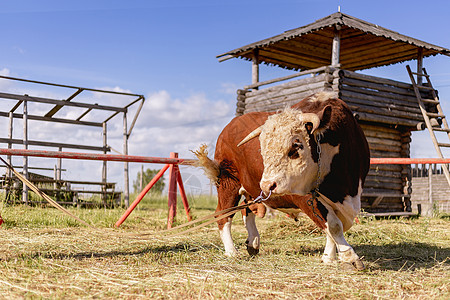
{"x": 392, "y": 181}
{"x": 380, "y": 100}
{"x": 286, "y": 94}
{"x": 440, "y": 192}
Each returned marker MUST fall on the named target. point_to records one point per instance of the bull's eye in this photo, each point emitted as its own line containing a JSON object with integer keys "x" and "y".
{"x": 293, "y": 152}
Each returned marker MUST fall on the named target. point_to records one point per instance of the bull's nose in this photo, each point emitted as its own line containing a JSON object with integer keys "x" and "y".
{"x": 267, "y": 186}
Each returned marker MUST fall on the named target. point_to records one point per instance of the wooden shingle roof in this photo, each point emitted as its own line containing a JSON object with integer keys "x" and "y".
{"x": 363, "y": 45}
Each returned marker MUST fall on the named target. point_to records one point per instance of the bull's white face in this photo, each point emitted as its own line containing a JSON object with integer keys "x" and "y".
{"x": 289, "y": 167}
{"x": 288, "y": 164}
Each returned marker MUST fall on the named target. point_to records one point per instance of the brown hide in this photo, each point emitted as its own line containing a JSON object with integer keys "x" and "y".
{"x": 246, "y": 163}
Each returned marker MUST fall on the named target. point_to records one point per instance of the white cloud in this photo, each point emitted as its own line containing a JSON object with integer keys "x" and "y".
{"x": 229, "y": 88}
{"x": 165, "y": 125}
{"x": 20, "y": 50}
{"x": 4, "y": 83}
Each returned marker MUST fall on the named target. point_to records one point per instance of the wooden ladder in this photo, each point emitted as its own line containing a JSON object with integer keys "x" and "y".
{"x": 431, "y": 118}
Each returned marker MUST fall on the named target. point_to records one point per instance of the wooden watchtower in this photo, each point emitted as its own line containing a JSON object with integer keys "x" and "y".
{"x": 327, "y": 54}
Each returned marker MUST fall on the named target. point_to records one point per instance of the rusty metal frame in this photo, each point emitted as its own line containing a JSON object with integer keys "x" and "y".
{"x": 22, "y": 100}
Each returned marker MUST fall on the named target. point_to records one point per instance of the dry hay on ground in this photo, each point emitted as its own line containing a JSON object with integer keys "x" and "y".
{"x": 56, "y": 259}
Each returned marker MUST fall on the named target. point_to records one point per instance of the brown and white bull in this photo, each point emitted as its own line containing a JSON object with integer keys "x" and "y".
{"x": 316, "y": 145}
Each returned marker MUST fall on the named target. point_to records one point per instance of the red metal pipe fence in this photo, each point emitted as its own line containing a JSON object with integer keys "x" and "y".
{"x": 172, "y": 163}
{"x": 181, "y": 161}
{"x": 174, "y": 176}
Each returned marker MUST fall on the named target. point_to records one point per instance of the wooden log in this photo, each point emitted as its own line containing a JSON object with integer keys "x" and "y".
{"x": 317, "y": 70}
{"x": 385, "y": 184}
{"x": 406, "y": 99}
{"x": 382, "y": 135}
{"x": 357, "y": 107}
{"x": 384, "y": 154}
{"x": 388, "y": 142}
{"x": 336, "y": 48}
{"x": 386, "y": 120}
{"x": 379, "y": 80}
{"x": 285, "y": 89}
{"x": 377, "y": 87}
{"x": 375, "y": 191}
{"x": 393, "y": 168}
{"x": 280, "y": 103}
{"x": 380, "y": 101}
{"x": 384, "y": 174}
{"x": 286, "y": 85}
{"x": 290, "y": 94}
{"x": 380, "y": 147}
{"x": 383, "y": 89}
{"x": 240, "y": 104}
{"x": 241, "y": 97}
{"x": 379, "y": 128}
{"x": 391, "y": 179}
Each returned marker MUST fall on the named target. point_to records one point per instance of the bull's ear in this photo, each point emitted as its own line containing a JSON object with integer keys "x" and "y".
{"x": 325, "y": 116}
{"x": 314, "y": 121}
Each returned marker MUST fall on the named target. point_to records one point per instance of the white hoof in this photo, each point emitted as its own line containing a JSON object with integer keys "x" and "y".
{"x": 329, "y": 260}
{"x": 350, "y": 258}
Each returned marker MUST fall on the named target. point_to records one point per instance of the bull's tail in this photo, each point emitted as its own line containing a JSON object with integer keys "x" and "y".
{"x": 211, "y": 167}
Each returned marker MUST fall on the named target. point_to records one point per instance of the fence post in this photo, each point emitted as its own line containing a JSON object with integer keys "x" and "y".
{"x": 172, "y": 192}
{"x": 434, "y": 209}
{"x": 183, "y": 195}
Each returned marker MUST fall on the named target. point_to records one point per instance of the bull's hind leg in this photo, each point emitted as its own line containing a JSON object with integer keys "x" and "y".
{"x": 228, "y": 197}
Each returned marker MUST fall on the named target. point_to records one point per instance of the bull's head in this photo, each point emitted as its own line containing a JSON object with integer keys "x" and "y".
{"x": 289, "y": 151}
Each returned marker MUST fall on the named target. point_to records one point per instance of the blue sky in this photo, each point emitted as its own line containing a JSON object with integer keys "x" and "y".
{"x": 166, "y": 51}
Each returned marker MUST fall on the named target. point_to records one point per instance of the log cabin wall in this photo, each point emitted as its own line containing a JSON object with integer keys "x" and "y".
{"x": 387, "y": 111}
{"x": 278, "y": 97}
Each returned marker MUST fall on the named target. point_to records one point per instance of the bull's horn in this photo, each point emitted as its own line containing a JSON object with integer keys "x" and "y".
{"x": 313, "y": 118}
{"x": 252, "y": 135}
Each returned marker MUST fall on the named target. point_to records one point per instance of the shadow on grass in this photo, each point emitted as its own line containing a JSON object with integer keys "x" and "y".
{"x": 167, "y": 250}
{"x": 404, "y": 256}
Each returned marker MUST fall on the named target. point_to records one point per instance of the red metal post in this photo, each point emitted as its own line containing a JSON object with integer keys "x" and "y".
{"x": 183, "y": 195}
{"x": 173, "y": 170}
{"x": 141, "y": 195}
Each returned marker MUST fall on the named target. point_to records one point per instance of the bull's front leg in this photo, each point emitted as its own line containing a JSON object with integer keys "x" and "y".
{"x": 249, "y": 217}
{"x": 225, "y": 235}
{"x": 253, "y": 240}
{"x": 329, "y": 254}
{"x": 228, "y": 196}
{"x": 336, "y": 240}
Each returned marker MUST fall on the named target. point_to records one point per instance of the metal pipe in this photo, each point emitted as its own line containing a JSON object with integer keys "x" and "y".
{"x": 10, "y": 136}
{"x": 97, "y": 156}
{"x": 25, "y": 146}
{"x": 126, "y": 185}
{"x": 70, "y": 86}
{"x": 408, "y": 161}
{"x": 141, "y": 195}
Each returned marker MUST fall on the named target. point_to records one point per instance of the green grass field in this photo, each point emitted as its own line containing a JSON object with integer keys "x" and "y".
{"x": 46, "y": 255}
